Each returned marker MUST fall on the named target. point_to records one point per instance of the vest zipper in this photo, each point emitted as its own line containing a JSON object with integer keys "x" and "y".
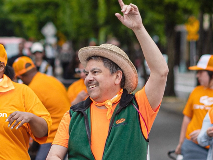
{"x": 112, "y": 121}
{"x": 88, "y": 131}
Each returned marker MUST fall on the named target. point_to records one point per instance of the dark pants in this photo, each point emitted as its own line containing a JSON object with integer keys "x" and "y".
{"x": 193, "y": 151}
{"x": 43, "y": 151}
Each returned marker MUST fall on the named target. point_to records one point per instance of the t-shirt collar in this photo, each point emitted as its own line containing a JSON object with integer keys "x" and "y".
{"x": 6, "y": 84}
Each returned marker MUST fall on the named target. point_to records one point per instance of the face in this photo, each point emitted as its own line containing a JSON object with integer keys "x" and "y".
{"x": 39, "y": 55}
{"x": 101, "y": 84}
{"x": 21, "y": 47}
{"x": 2, "y": 67}
{"x": 80, "y": 71}
{"x": 203, "y": 78}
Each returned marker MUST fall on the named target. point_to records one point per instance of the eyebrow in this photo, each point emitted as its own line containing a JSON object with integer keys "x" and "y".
{"x": 92, "y": 70}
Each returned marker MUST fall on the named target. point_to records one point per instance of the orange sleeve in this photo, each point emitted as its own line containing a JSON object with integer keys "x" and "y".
{"x": 146, "y": 111}
{"x": 62, "y": 134}
{"x": 35, "y": 106}
{"x": 188, "y": 111}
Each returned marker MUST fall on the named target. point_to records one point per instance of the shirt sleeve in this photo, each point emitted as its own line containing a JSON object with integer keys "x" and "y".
{"x": 148, "y": 114}
{"x": 35, "y": 106}
{"x": 188, "y": 111}
{"x": 62, "y": 134}
{"x": 203, "y": 139}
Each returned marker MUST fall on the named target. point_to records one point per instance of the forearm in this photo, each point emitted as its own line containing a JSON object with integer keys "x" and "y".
{"x": 56, "y": 152}
{"x": 152, "y": 54}
{"x": 38, "y": 126}
{"x": 185, "y": 123}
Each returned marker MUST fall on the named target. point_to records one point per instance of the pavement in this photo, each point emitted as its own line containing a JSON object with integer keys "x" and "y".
{"x": 173, "y": 104}
{"x": 184, "y": 84}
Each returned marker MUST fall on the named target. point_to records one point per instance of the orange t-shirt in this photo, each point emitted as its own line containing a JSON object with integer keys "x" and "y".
{"x": 19, "y": 97}
{"x": 197, "y": 106}
{"x": 53, "y": 95}
{"x": 75, "y": 88}
{"x": 100, "y": 124}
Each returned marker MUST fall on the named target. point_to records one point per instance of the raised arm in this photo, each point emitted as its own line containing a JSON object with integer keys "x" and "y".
{"x": 156, "y": 83}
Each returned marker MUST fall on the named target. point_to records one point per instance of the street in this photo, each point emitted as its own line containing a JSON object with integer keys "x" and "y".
{"x": 164, "y": 135}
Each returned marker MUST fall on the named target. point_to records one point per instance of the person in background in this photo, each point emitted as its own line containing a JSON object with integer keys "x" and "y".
{"x": 113, "y": 123}
{"x": 77, "y": 91}
{"x": 49, "y": 90}
{"x": 42, "y": 65}
{"x": 92, "y": 41}
{"x": 205, "y": 137}
{"x": 22, "y": 115}
{"x": 197, "y": 106}
{"x": 20, "y": 53}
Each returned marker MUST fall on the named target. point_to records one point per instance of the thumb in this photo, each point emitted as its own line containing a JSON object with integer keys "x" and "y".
{"x": 118, "y": 15}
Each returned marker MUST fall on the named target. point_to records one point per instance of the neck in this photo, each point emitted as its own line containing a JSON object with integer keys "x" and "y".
{"x": 30, "y": 77}
{"x": 211, "y": 84}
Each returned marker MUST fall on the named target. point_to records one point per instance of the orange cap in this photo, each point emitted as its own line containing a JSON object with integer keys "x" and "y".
{"x": 22, "y": 64}
{"x": 205, "y": 63}
{"x": 3, "y": 55}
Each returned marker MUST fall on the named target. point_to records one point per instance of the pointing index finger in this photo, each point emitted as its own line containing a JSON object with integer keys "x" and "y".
{"x": 121, "y": 3}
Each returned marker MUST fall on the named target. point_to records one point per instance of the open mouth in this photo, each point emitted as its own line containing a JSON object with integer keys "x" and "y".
{"x": 91, "y": 87}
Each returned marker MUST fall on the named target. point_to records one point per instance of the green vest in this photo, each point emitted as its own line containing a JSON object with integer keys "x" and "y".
{"x": 125, "y": 138}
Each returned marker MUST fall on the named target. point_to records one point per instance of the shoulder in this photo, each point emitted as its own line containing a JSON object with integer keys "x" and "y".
{"x": 75, "y": 84}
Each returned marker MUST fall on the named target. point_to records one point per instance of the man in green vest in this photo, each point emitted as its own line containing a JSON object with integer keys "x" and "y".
{"x": 112, "y": 123}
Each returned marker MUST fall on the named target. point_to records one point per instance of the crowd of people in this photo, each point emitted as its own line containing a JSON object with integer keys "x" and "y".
{"x": 99, "y": 116}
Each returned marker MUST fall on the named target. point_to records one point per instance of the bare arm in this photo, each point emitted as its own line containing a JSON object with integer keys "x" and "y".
{"x": 80, "y": 97}
{"x": 185, "y": 123}
{"x": 56, "y": 152}
{"x": 155, "y": 86}
{"x": 37, "y": 124}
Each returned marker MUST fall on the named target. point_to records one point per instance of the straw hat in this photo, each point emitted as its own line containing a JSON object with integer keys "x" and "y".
{"x": 116, "y": 55}
{"x": 205, "y": 63}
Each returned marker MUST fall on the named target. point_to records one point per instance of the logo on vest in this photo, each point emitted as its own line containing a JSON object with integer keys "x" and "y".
{"x": 120, "y": 122}
{"x": 3, "y": 114}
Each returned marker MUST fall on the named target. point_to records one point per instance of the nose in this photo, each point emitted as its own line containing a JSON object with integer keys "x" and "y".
{"x": 88, "y": 78}
{"x": 198, "y": 74}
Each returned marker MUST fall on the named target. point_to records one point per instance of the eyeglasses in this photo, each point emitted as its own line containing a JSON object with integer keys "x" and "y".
{"x": 78, "y": 70}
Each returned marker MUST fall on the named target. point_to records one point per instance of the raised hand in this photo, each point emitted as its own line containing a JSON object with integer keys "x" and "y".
{"x": 17, "y": 119}
{"x": 131, "y": 16}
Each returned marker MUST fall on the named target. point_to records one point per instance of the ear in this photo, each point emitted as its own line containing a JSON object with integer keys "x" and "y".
{"x": 118, "y": 77}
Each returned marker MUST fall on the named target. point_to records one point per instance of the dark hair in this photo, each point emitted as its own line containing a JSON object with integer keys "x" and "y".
{"x": 9, "y": 72}
{"x": 210, "y": 73}
{"x": 113, "y": 67}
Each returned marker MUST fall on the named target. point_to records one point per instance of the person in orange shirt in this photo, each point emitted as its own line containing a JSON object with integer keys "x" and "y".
{"x": 77, "y": 91}
{"x": 113, "y": 123}
{"x": 49, "y": 90}
{"x": 21, "y": 115}
{"x": 197, "y": 106}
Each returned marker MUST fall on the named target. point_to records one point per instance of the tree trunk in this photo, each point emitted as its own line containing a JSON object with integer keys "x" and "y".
{"x": 208, "y": 40}
{"x": 170, "y": 35}
{"x": 201, "y": 35}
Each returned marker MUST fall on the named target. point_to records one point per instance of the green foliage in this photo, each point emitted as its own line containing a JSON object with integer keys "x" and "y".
{"x": 80, "y": 20}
